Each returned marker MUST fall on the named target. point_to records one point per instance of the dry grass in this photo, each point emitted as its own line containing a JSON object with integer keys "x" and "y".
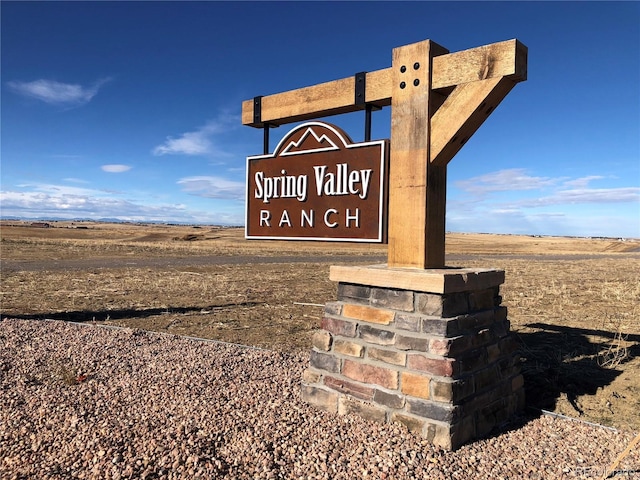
{"x": 576, "y": 311}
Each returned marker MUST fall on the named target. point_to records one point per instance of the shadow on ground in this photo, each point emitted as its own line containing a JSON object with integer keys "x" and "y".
{"x": 572, "y": 361}
{"x": 126, "y": 313}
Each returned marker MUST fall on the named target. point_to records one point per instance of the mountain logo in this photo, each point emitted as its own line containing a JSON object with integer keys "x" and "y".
{"x": 310, "y": 141}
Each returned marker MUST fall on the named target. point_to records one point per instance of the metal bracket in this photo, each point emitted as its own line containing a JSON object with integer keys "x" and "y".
{"x": 257, "y": 109}
{"x": 367, "y": 123}
{"x": 360, "y": 92}
{"x": 360, "y": 88}
{"x": 265, "y": 140}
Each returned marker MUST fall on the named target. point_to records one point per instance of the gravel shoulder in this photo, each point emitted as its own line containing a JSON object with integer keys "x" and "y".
{"x": 81, "y": 401}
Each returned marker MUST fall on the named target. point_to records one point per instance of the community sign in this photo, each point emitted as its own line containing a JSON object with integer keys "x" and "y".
{"x": 318, "y": 185}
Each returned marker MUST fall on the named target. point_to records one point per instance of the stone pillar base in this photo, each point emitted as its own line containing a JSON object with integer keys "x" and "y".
{"x": 427, "y": 348}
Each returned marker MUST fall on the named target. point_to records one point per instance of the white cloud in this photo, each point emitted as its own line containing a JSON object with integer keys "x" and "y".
{"x": 213, "y": 187}
{"x": 514, "y": 201}
{"x": 571, "y": 191}
{"x": 116, "y": 168}
{"x": 65, "y": 205}
{"x": 582, "y": 182}
{"x": 504, "y": 180}
{"x": 191, "y": 143}
{"x": 199, "y": 141}
{"x": 523, "y": 221}
{"x": 46, "y": 201}
{"x": 57, "y": 93}
{"x": 75, "y": 180}
{"x": 585, "y": 195}
{"x": 56, "y": 189}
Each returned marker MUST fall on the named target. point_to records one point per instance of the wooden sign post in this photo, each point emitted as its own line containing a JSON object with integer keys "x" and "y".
{"x": 438, "y": 100}
{"x": 411, "y": 341}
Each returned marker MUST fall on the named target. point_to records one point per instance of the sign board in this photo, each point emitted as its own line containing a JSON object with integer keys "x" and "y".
{"x": 318, "y": 185}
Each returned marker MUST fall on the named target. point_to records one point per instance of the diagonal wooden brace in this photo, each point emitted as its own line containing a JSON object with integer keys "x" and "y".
{"x": 462, "y": 113}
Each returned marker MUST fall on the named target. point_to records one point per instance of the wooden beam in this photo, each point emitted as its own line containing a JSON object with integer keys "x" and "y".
{"x": 462, "y": 113}
{"x": 503, "y": 59}
{"x": 417, "y": 189}
{"x": 324, "y": 99}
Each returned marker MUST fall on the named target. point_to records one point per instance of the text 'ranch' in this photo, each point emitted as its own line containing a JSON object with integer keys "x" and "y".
{"x": 341, "y": 181}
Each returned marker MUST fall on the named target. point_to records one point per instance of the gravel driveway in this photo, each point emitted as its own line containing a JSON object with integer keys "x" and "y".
{"x": 79, "y": 401}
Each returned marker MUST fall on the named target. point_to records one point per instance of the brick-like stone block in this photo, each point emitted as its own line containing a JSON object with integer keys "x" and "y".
{"x": 362, "y": 372}
{"x": 508, "y": 366}
{"x": 451, "y": 391}
{"x": 345, "y": 347}
{"x": 413, "y": 424}
{"x": 368, "y": 314}
{"x": 324, "y": 361}
{"x": 486, "y": 378}
{"x": 444, "y": 306}
{"x": 455, "y": 304}
{"x": 367, "y": 411}
{"x": 482, "y": 300}
{"x": 352, "y": 292}
{"x": 322, "y": 340}
{"x": 450, "y": 347}
{"x": 500, "y": 314}
{"x": 351, "y": 388}
{"x": 390, "y": 298}
{"x": 501, "y": 328}
{"x": 433, "y": 410}
{"x": 339, "y": 327}
{"x": 493, "y": 352}
{"x": 429, "y": 304}
{"x": 488, "y": 417}
{"x": 473, "y": 360}
{"x": 508, "y": 345}
{"x": 483, "y": 337}
{"x": 333, "y": 308}
{"x": 324, "y": 399}
{"x": 444, "y": 367}
{"x": 442, "y": 327}
{"x": 442, "y": 391}
{"x": 310, "y": 376}
{"x": 440, "y": 435}
{"x": 415, "y": 385}
{"x": 476, "y": 321}
{"x": 408, "y": 321}
{"x": 376, "y": 335}
{"x": 391, "y": 400}
{"x": 387, "y": 356}
{"x": 464, "y": 431}
{"x": 406, "y": 342}
{"x": 501, "y": 389}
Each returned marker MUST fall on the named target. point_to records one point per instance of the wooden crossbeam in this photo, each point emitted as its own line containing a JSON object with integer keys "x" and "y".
{"x": 503, "y": 59}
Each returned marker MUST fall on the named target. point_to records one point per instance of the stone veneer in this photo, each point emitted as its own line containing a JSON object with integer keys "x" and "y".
{"x": 435, "y": 355}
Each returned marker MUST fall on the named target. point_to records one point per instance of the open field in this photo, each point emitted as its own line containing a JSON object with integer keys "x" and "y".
{"x": 574, "y": 303}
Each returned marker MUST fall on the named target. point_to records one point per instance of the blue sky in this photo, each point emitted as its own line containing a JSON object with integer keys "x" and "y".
{"x": 132, "y": 110}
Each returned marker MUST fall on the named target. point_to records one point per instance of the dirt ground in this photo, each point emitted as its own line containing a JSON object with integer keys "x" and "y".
{"x": 574, "y": 303}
